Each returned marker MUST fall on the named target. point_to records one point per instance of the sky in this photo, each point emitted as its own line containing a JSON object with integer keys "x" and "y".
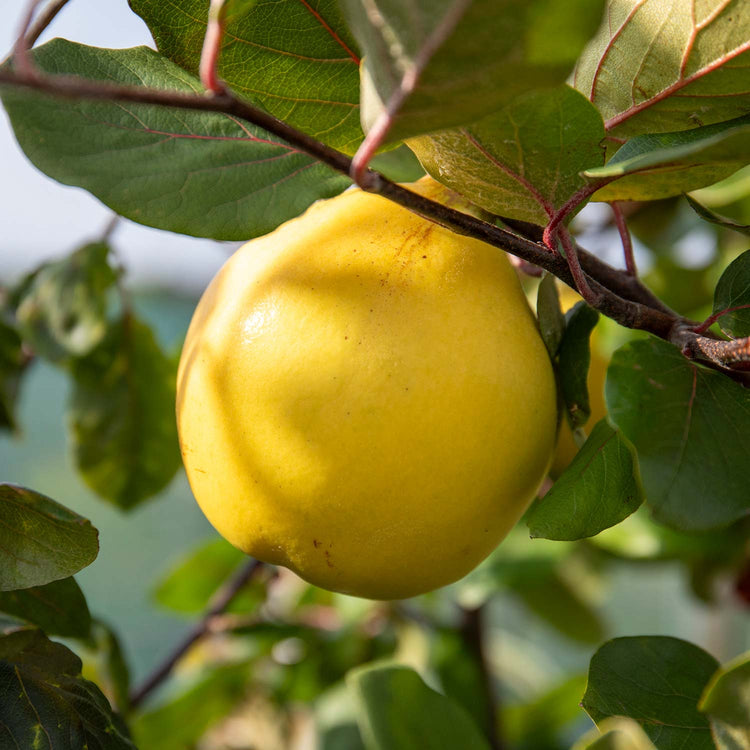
{"x": 40, "y": 218}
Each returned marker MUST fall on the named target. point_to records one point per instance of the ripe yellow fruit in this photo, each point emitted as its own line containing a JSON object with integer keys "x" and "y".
{"x": 567, "y": 448}
{"x": 364, "y": 398}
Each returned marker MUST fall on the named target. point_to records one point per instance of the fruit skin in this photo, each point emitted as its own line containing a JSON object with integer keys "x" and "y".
{"x": 364, "y": 397}
{"x": 567, "y": 448}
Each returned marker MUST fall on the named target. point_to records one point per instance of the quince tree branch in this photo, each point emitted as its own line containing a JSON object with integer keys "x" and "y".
{"x": 616, "y": 294}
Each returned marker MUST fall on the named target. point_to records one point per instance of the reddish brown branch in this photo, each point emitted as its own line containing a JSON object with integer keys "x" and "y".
{"x": 211, "y": 48}
{"x": 626, "y": 239}
{"x": 219, "y": 602}
{"x": 613, "y": 293}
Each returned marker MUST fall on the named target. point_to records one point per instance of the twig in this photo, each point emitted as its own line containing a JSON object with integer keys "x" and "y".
{"x": 219, "y": 602}
{"x": 44, "y": 19}
{"x": 109, "y": 228}
{"x": 571, "y": 255}
{"x": 472, "y": 635}
{"x": 409, "y": 79}
{"x": 615, "y": 294}
{"x": 627, "y": 240}
{"x": 212, "y": 47}
{"x": 21, "y": 58}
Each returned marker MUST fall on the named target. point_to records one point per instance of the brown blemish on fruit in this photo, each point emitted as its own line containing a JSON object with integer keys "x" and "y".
{"x": 316, "y": 543}
{"x": 328, "y": 559}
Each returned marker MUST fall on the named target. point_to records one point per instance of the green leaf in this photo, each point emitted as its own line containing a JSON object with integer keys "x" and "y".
{"x": 397, "y": 711}
{"x": 40, "y": 540}
{"x": 523, "y": 162}
{"x": 616, "y": 734}
{"x": 727, "y": 737}
{"x": 600, "y": 488}
{"x": 106, "y": 660}
{"x": 58, "y": 608}
{"x": 63, "y": 311}
{"x": 539, "y": 723}
{"x": 714, "y": 218}
{"x": 461, "y": 676}
{"x": 554, "y": 600}
{"x": 656, "y": 681}
{"x": 297, "y": 60}
{"x": 12, "y": 365}
{"x": 659, "y": 165}
{"x": 691, "y": 428}
{"x": 199, "y": 173}
{"x": 179, "y": 723}
{"x": 189, "y": 586}
{"x": 467, "y": 58}
{"x": 574, "y": 358}
{"x": 45, "y": 703}
{"x": 732, "y": 297}
{"x": 549, "y": 314}
{"x": 122, "y": 416}
{"x": 655, "y": 66}
{"x": 726, "y": 697}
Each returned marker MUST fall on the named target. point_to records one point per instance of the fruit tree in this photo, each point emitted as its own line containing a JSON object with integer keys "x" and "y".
{"x": 479, "y": 377}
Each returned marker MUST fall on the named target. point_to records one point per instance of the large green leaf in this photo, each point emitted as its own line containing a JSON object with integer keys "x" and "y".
{"x": 726, "y": 701}
{"x": 732, "y": 297}
{"x": 122, "y": 415}
{"x": 691, "y": 428}
{"x": 63, "y": 310}
{"x": 524, "y": 161}
{"x": 466, "y": 58}
{"x": 200, "y": 173}
{"x": 295, "y": 59}
{"x": 397, "y": 711}
{"x": 659, "y": 165}
{"x": 657, "y": 681}
{"x": 40, "y": 540}
{"x": 58, "y": 608}
{"x": 600, "y": 488}
{"x": 662, "y": 65}
{"x": 180, "y": 722}
{"x": 12, "y": 365}
{"x": 46, "y": 704}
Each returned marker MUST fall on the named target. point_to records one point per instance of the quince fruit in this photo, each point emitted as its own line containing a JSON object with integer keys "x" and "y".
{"x": 364, "y": 397}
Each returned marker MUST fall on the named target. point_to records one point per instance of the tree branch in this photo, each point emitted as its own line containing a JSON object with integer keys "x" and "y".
{"x": 219, "y": 602}
{"x": 616, "y": 294}
{"x": 44, "y": 19}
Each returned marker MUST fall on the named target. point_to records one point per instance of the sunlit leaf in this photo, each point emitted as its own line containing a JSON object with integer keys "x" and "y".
{"x": 617, "y": 733}
{"x": 726, "y": 699}
{"x": 63, "y": 311}
{"x": 45, "y": 703}
{"x": 600, "y": 488}
{"x": 659, "y": 165}
{"x": 189, "y": 585}
{"x": 295, "y": 59}
{"x": 658, "y": 66}
{"x": 691, "y": 428}
{"x": 467, "y": 58}
{"x": 199, "y": 173}
{"x": 122, "y": 415}
{"x": 656, "y": 681}
{"x": 40, "y": 540}
{"x": 523, "y": 161}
